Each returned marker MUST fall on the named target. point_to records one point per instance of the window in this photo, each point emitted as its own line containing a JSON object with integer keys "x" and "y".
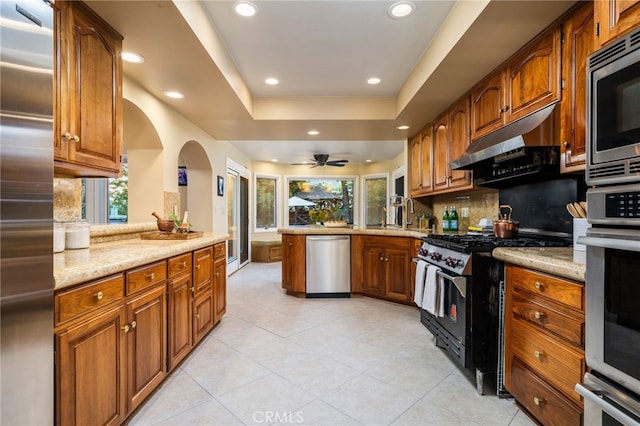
{"x": 106, "y": 200}
{"x": 316, "y": 200}
{"x": 266, "y": 202}
{"x": 375, "y": 197}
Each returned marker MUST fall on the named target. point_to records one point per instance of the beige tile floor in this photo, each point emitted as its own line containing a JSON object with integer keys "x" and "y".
{"x": 276, "y": 359}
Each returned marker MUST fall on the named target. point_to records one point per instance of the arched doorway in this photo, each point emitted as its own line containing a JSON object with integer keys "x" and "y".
{"x": 197, "y": 195}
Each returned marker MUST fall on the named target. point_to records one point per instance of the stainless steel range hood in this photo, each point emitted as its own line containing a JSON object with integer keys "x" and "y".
{"x": 536, "y": 129}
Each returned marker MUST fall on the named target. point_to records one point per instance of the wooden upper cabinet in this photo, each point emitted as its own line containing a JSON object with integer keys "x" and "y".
{"x": 578, "y": 44}
{"x": 488, "y": 101}
{"x": 88, "y": 93}
{"x": 613, "y": 18}
{"x": 533, "y": 76}
{"x": 421, "y": 151}
{"x": 530, "y": 80}
{"x": 450, "y": 139}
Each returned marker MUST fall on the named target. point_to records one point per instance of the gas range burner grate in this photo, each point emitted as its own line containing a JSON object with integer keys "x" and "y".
{"x": 483, "y": 243}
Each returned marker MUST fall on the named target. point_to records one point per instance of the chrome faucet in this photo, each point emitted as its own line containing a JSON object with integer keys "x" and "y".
{"x": 407, "y": 220}
{"x": 383, "y": 219}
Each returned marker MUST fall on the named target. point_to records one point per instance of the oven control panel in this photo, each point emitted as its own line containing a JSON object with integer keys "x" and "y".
{"x": 445, "y": 258}
{"x": 623, "y": 204}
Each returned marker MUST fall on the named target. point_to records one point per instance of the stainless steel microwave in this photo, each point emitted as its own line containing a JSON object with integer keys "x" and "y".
{"x": 613, "y": 112}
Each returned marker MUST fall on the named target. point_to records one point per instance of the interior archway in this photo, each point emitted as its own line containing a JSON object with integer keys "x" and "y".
{"x": 146, "y": 166}
{"x": 199, "y": 188}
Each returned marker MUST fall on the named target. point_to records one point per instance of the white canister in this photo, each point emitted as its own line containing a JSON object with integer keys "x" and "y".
{"x": 580, "y": 226}
{"x": 58, "y": 237}
{"x": 77, "y": 235}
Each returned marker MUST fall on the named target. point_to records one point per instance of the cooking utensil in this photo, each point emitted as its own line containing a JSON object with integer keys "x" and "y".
{"x": 581, "y": 212}
{"x": 584, "y": 206}
{"x": 184, "y": 226}
{"x": 572, "y": 210}
{"x": 505, "y": 227}
{"x": 165, "y": 225}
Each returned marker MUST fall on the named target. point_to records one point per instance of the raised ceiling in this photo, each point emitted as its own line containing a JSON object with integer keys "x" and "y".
{"x": 322, "y": 52}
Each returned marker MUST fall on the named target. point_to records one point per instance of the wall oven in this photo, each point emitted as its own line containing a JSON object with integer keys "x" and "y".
{"x": 613, "y": 93}
{"x": 612, "y": 389}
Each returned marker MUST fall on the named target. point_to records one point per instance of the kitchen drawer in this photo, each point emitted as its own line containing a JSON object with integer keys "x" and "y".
{"x": 219, "y": 250}
{"x": 146, "y": 276}
{"x": 179, "y": 265}
{"x": 81, "y": 300}
{"x": 544, "y": 314}
{"x": 557, "y": 289}
{"x": 547, "y": 405}
{"x": 556, "y": 362}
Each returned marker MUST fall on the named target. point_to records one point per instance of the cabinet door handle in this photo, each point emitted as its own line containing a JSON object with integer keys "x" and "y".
{"x": 217, "y": 274}
{"x": 539, "y": 286}
{"x": 198, "y": 266}
{"x": 99, "y": 295}
{"x": 504, "y": 109}
{"x": 133, "y": 324}
{"x": 538, "y": 401}
{"x": 566, "y": 144}
{"x": 150, "y": 276}
{"x": 386, "y": 259}
{"x": 538, "y": 315}
{"x": 125, "y": 328}
{"x": 76, "y": 138}
{"x": 538, "y": 354}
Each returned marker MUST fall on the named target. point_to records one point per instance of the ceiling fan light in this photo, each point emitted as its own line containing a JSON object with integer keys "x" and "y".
{"x": 401, "y": 9}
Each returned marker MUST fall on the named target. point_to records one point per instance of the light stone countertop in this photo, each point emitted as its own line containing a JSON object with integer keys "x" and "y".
{"x": 561, "y": 261}
{"x": 351, "y": 230}
{"x": 105, "y": 258}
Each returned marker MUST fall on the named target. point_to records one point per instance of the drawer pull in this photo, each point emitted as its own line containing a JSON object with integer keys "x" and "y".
{"x": 539, "y": 286}
{"x": 183, "y": 264}
{"x": 198, "y": 266}
{"x": 99, "y": 295}
{"x": 150, "y": 276}
{"x": 538, "y": 354}
{"x": 126, "y": 328}
{"x": 538, "y": 401}
{"x": 538, "y": 315}
{"x": 217, "y": 274}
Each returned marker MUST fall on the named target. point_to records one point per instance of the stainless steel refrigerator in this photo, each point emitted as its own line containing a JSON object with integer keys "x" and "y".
{"x": 26, "y": 213}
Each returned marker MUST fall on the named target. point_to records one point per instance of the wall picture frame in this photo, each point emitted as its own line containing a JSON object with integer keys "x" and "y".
{"x": 220, "y": 186}
{"x": 182, "y": 176}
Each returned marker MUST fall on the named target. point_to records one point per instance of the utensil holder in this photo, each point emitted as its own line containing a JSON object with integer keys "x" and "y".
{"x": 580, "y": 226}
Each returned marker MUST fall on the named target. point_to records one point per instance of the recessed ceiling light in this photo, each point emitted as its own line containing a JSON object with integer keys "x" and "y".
{"x": 368, "y": 161}
{"x": 401, "y": 9}
{"x": 174, "y": 95}
{"x": 374, "y": 80}
{"x": 403, "y": 127}
{"x": 134, "y": 58}
{"x": 313, "y": 132}
{"x": 271, "y": 81}
{"x": 275, "y": 160}
{"x": 245, "y": 8}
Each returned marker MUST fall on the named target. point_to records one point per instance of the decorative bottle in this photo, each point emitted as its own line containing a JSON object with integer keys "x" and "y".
{"x": 453, "y": 219}
{"x": 445, "y": 221}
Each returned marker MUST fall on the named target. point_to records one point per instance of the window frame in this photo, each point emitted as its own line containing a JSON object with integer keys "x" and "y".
{"x": 364, "y": 179}
{"x": 277, "y": 201}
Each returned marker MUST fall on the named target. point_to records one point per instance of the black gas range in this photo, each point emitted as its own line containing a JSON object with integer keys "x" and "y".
{"x": 471, "y": 284}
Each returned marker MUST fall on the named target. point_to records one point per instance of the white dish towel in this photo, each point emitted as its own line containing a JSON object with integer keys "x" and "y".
{"x": 421, "y": 274}
{"x": 432, "y": 292}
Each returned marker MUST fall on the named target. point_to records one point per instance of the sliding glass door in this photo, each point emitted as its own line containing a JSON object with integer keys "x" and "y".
{"x": 237, "y": 217}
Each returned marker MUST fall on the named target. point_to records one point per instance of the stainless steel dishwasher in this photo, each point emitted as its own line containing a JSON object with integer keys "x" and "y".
{"x": 328, "y": 262}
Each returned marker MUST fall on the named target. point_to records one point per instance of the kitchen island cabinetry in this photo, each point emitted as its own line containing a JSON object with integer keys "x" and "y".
{"x": 421, "y": 173}
{"x": 544, "y": 344}
{"x": 529, "y": 81}
{"x": 385, "y": 270}
{"x": 613, "y": 18}
{"x": 450, "y": 139}
{"x": 577, "y": 46}
{"x": 219, "y": 281}
{"x": 117, "y": 337}
{"x": 294, "y": 264}
{"x": 88, "y": 93}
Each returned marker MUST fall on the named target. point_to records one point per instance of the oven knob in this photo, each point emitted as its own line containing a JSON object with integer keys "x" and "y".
{"x": 436, "y": 256}
{"x": 423, "y": 252}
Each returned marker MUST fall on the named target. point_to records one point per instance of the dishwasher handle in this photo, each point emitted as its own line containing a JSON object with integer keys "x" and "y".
{"x": 327, "y": 237}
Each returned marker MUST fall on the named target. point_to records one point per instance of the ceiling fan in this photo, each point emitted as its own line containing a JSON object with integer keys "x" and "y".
{"x": 323, "y": 160}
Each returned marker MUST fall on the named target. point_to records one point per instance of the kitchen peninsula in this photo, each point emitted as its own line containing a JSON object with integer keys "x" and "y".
{"x": 134, "y": 307}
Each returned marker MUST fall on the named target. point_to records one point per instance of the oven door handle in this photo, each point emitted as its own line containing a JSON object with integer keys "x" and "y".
{"x": 594, "y": 391}
{"x": 610, "y": 243}
{"x": 459, "y": 282}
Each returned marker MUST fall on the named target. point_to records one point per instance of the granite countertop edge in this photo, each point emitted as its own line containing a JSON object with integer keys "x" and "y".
{"x": 102, "y": 259}
{"x": 353, "y": 230}
{"x": 560, "y": 261}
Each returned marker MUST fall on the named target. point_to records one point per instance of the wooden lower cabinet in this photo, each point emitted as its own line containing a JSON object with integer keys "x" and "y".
{"x": 118, "y": 337}
{"x": 293, "y": 264}
{"x": 386, "y": 267}
{"x": 219, "y": 282}
{"x": 544, "y": 344}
